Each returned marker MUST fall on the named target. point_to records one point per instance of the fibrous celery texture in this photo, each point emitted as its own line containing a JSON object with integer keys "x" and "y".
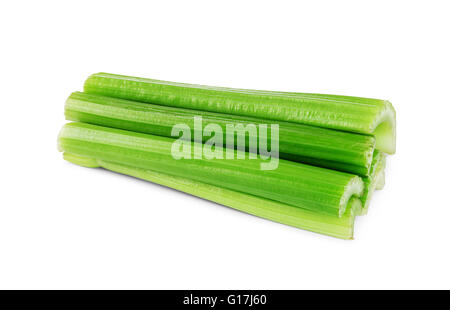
{"x": 299, "y": 185}
{"x": 322, "y": 147}
{"x": 355, "y": 114}
{"x": 339, "y": 227}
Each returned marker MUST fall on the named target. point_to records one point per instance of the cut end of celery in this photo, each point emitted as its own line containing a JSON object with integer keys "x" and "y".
{"x": 381, "y": 179}
{"x": 356, "y": 208}
{"x": 385, "y": 130}
{"x": 353, "y": 190}
{"x": 374, "y": 181}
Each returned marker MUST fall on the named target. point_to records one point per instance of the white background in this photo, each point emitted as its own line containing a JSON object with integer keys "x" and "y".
{"x": 67, "y": 227}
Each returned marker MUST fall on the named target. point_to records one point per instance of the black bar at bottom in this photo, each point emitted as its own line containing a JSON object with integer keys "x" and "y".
{"x": 212, "y": 299}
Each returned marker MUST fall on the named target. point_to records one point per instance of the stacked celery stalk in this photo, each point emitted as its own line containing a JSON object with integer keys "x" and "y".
{"x": 332, "y": 149}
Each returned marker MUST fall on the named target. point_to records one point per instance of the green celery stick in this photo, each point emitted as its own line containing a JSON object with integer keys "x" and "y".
{"x": 322, "y": 147}
{"x": 354, "y": 114}
{"x": 317, "y": 189}
{"x": 339, "y": 227}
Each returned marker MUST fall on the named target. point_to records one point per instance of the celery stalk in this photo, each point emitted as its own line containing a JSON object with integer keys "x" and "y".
{"x": 322, "y": 147}
{"x": 299, "y": 185}
{"x": 339, "y": 227}
{"x": 354, "y": 114}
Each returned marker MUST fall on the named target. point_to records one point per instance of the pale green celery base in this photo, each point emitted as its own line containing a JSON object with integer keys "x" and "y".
{"x": 342, "y": 227}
